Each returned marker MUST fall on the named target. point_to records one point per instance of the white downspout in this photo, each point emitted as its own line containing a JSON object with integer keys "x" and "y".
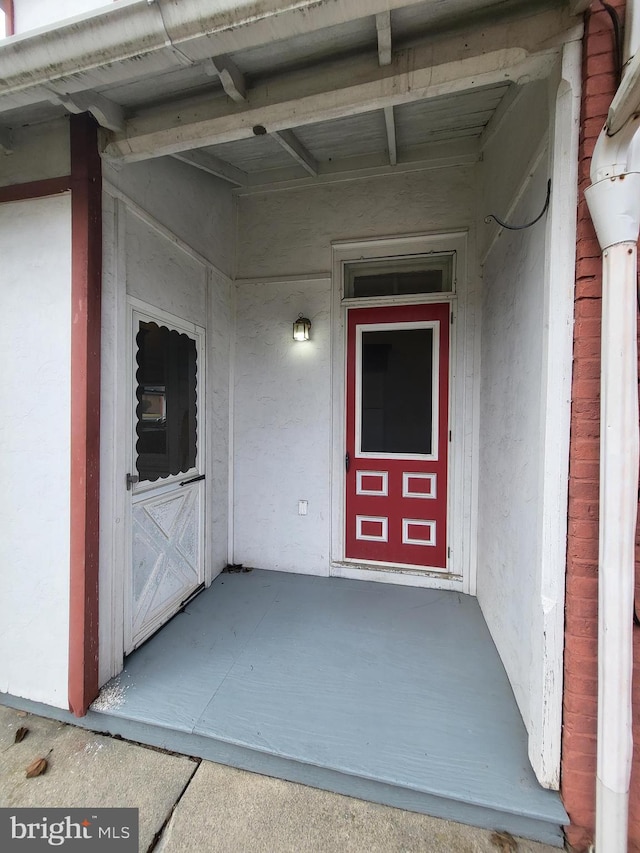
{"x": 614, "y": 204}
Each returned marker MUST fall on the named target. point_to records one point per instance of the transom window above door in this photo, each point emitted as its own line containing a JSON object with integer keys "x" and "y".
{"x": 399, "y": 276}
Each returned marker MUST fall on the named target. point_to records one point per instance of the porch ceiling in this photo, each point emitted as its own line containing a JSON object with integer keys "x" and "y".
{"x": 336, "y": 89}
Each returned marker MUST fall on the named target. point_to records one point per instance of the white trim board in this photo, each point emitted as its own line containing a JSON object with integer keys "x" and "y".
{"x": 400, "y": 576}
{"x": 553, "y": 466}
{"x": 113, "y": 520}
{"x": 307, "y": 278}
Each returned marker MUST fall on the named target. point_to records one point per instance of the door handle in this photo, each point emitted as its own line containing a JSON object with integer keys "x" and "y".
{"x": 192, "y": 480}
{"x": 347, "y": 461}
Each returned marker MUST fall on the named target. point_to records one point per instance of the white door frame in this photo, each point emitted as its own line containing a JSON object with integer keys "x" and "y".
{"x": 462, "y": 411}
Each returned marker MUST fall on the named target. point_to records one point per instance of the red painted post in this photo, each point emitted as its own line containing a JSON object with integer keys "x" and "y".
{"x": 86, "y": 275}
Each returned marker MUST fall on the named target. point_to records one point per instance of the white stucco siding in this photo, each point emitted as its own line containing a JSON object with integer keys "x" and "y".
{"x": 525, "y": 393}
{"x": 509, "y": 153}
{"x": 195, "y": 206}
{"x": 510, "y": 441}
{"x": 31, "y": 14}
{"x": 282, "y": 428}
{"x": 35, "y": 333}
{"x": 40, "y": 152}
{"x": 162, "y": 275}
{"x": 523, "y": 441}
{"x": 290, "y": 233}
{"x": 282, "y": 389}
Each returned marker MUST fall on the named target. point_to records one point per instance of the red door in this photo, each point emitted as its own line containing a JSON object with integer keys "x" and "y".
{"x": 397, "y": 435}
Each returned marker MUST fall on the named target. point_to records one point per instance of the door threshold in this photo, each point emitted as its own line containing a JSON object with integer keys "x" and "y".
{"x": 403, "y": 575}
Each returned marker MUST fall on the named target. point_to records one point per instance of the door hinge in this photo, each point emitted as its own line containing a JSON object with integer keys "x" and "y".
{"x": 132, "y": 479}
{"x": 449, "y": 435}
{"x": 449, "y": 553}
{"x": 452, "y": 318}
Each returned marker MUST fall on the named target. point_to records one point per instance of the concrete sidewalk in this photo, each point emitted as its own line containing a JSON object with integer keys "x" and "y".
{"x": 192, "y": 806}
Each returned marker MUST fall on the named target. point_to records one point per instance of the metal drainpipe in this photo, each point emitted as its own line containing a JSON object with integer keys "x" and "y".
{"x": 614, "y": 205}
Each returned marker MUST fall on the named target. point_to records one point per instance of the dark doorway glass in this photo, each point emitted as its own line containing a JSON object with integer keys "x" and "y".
{"x": 397, "y": 385}
{"x": 166, "y": 410}
{"x": 399, "y": 276}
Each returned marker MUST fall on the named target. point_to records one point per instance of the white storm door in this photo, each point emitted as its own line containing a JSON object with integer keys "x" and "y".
{"x": 166, "y": 479}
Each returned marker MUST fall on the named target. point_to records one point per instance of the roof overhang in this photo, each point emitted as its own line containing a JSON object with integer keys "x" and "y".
{"x": 193, "y": 79}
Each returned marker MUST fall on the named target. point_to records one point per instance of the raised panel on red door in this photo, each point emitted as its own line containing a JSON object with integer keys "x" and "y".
{"x": 397, "y": 435}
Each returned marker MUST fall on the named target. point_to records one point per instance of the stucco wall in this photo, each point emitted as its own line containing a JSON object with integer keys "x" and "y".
{"x": 195, "y": 206}
{"x": 509, "y": 479}
{"x": 508, "y": 154}
{"x": 511, "y": 393}
{"x": 35, "y": 331}
{"x": 282, "y": 428}
{"x": 40, "y": 152}
{"x": 289, "y": 233}
{"x": 282, "y": 408}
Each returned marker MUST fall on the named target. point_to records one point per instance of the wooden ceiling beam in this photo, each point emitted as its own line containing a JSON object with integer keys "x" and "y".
{"x": 466, "y": 61}
{"x": 106, "y": 112}
{"x": 214, "y": 166}
{"x": 390, "y": 124}
{"x": 383, "y": 28}
{"x": 290, "y": 142}
{"x": 431, "y": 155}
{"x": 231, "y": 77}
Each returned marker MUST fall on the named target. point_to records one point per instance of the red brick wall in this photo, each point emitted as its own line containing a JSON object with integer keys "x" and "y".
{"x": 580, "y": 694}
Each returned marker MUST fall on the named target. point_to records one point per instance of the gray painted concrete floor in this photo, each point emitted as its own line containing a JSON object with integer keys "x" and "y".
{"x": 189, "y": 806}
{"x": 395, "y": 688}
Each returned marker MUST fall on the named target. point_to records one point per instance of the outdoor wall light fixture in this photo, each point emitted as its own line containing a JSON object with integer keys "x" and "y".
{"x": 301, "y": 329}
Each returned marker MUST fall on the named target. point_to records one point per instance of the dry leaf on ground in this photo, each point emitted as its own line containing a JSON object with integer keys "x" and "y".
{"x": 21, "y": 734}
{"x": 38, "y": 766}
